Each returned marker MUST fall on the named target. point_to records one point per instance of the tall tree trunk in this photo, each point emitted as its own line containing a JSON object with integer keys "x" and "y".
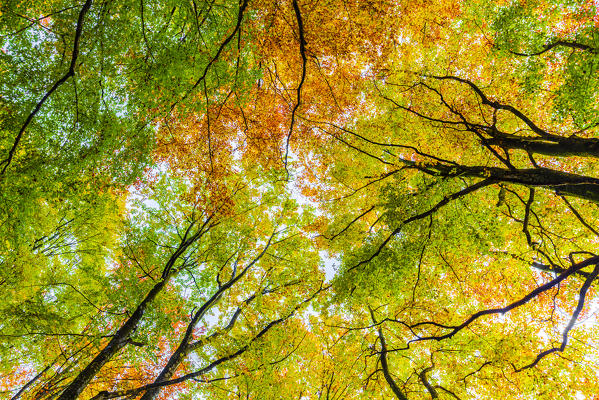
{"x": 123, "y": 334}
{"x": 185, "y": 347}
{"x": 117, "y": 342}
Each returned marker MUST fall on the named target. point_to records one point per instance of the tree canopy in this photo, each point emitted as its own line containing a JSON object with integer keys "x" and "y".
{"x": 299, "y": 199}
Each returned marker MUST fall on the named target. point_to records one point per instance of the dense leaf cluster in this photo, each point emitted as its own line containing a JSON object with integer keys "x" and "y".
{"x": 298, "y": 199}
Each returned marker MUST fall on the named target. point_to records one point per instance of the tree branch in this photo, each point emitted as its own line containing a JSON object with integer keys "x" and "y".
{"x": 302, "y": 40}
{"x": 443, "y": 202}
{"x": 6, "y": 162}
{"x": 495, "y": 104}
{"x": 543, "y": 288}
{"x": 558, "y": 43}
{"x": 575, "y": 314}
{"x": 385, "y": 364}
{"x": 133, "y": 392}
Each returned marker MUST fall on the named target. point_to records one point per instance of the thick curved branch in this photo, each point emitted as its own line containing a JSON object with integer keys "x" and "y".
{"x": 558, "y": 43}
{"x": 550, "y": 145}
{"x": 302, "y": 40}
{"x": 562, "y": 183}
{"x": 575, "y": 314}
{"x": 71, "y": 72}
{"x": 385, "y": 364}
{"x": 424, "y": 379}
{"x": 556, "y": 269}
{"x": 543, "y": 288}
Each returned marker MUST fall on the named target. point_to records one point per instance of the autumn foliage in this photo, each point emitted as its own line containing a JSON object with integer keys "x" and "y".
{"x": 299, "y": 199}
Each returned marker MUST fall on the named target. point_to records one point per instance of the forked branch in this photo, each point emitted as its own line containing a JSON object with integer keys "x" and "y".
{"x": 573, "y": 269}
{"x": 71, "y": 72}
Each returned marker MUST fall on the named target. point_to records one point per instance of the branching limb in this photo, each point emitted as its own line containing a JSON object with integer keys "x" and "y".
{"x": 350, "y": 224}
{"x": 385, "y": 364}
{"x": 562, "y": 183}
{"x": 74, "y": 55}
{"x": 495, "y": 104}
{"x": 224, "y": 44}
{"x": 436, "y": 207}
{"x": 200, "y": 373}
{"x": 124, "y": 332}
{"x": 424, "y": 379}
{"x": 555, "y": 269}
{"x": 302, "y": 40}
{"x": 543, "y": 288}
{"x": 475, "y": 372}
{"x": 377, "y": 143}
{"x": 185, "y": 345}
{"x": 430, "y": 388}
{"x": 357, "y": 148}
{"x": 143, "y": 28}
{"x": 575, "y": 314}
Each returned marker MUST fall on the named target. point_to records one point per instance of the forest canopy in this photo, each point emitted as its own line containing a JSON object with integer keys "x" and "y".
{"x": 299, "y": 199}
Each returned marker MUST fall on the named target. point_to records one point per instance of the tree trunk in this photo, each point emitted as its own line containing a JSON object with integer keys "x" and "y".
{"x": 117, "y": 342}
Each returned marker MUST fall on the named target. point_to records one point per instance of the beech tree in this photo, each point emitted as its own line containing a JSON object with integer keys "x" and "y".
{"x": 296, "y": 199}
{"x": 485, "y": 197}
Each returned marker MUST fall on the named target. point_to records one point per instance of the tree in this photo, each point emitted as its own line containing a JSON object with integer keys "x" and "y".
{"x": 176, "y": 179}
{"x": 470, "y": 170}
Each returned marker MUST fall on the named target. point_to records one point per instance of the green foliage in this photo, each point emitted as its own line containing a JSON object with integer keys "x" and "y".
{"x": 568, "y": 72}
